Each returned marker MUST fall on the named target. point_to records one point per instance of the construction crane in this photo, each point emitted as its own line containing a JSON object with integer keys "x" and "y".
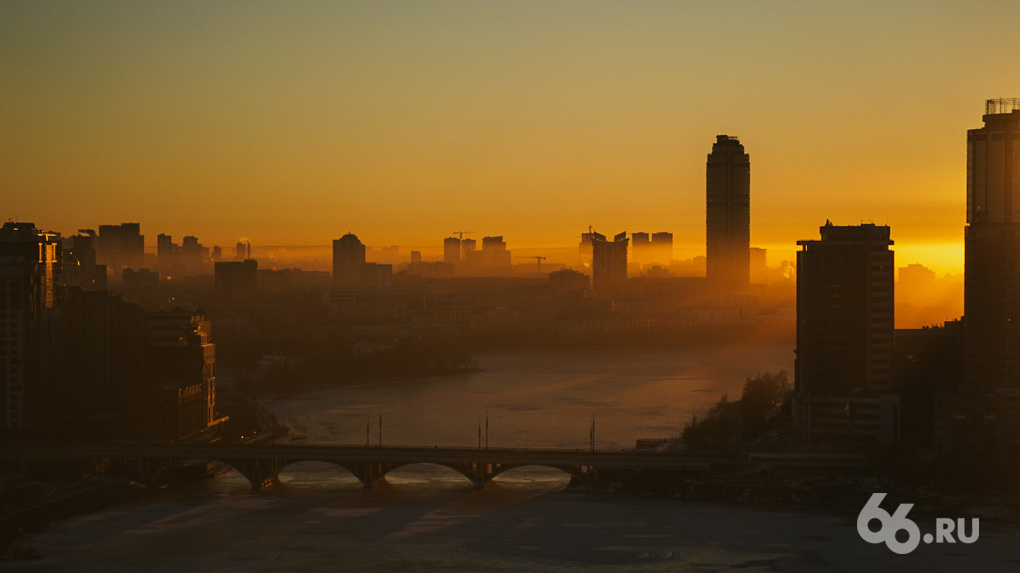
{"x": 538, "y": 259}
{"x": 462, "y": 233}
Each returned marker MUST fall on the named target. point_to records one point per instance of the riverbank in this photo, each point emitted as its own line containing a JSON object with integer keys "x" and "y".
{"x": 29, "y": 506}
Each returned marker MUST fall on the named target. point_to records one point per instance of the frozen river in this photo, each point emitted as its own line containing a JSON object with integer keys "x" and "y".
{"x": 428, "y": 518}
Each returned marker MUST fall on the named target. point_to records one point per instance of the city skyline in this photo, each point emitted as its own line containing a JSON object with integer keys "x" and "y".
{"x": 402, "y": 124}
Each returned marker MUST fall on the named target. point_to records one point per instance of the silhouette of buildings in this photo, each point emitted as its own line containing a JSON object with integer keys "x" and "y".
{"x": 236, "y": 281}
{"x": 120, "y": 246}
{"x": 102, "y": 351}
{"x": 348, "y": 256}
{"x": 640, "y": 245}
{"x": 30, "y": 264}
{"x": 375, "y": 276}
{"x": 568, "y": 281}
{"x": 728, "y": 214}
{"x": 187, "y": 259}
{"x": 181, "y": 359}
{"x": 494, "y": 253}
{"x": 142, "y": 279}
{"x": 451, "y": 250}
{"x": 609, "y": 263}
{"x": 79, "y": 265}
{"x": 662, "y": 248}
{"x": 992, "y": 245}
{"x": 648, "y": 250}
{"x": 470, "y": 256}
{"x": 843, "y": 380}
{"x": 758, "y": 266}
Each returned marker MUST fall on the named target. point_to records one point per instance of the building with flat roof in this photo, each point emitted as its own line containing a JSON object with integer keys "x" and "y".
{"x": 845, "y": 326}
{"x": 728, "y": 214}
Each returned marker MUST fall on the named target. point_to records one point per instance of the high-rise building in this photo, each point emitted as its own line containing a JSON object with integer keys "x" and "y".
{"x": 647, "y": 250}
{"x": 759, "y": 267}
{"x": 728, "y": 214}
{"x": 845, "y": 310}
{"x": 640, "y": 249}
{"x": 120, "y": 246}
{"x": 992, "y": 246}
{"x": 662, "y": 248}
{"x": 30, "y": 263}
{"x": 494, "y": 253}
{"x": 348, "y": 256}
{"x": 609, "y": 263}
{"x": 451, "y": 250}
{"x": 843, "y": 379}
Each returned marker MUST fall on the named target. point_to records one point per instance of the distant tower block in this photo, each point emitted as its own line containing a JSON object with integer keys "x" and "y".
{"x": 728, "y": 214}
{"x": 609, "y": 263}
{"x": 451, "y": 250}
{"x": 348, "y": 256}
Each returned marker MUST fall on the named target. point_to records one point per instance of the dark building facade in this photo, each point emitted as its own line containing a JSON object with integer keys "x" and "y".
{"x": 845, "y": 321}
{"x": 236, "y": 281}
{"x": 728, "y": 214}
{"x": 102, "y": 348}
{"x": 348, "y": 256}
{"x": 181, "y": 361}
{"x": 992, "y": 262}
{"x": 609, "y": 263}
{"x": 30, "y": 265}
{"x": 451, "y": 250}
{"x": 120, "y": 246}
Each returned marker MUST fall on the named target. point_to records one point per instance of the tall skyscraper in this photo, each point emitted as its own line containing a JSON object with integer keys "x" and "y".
{"x": 992, "y": 261}
{"x": 845, "y": 333}
{"x": 348, "y": 256}
{"x": 30, "y": 263}
{"x": 728, "y": 214}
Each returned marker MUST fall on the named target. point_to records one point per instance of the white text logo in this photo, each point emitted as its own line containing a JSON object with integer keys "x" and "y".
{"x": 898, "y": 521}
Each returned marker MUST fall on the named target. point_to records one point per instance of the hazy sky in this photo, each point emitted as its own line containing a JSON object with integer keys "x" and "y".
{"x": 295, "y": 122}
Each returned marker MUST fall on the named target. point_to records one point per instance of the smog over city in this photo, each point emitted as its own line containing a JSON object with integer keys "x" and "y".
{"x": 509, "y": 286}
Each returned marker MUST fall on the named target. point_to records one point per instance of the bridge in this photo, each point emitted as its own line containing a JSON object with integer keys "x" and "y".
{"x": 262, "y": 463}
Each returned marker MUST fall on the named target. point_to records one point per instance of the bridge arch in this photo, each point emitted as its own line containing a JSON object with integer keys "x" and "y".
{"x": 462, "y": 470}
{"x": 576, "y": 474}
{"x": 322, "y": 467}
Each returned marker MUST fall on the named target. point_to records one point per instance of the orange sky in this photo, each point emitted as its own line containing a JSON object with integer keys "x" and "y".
{"x": 405, "y": 121}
